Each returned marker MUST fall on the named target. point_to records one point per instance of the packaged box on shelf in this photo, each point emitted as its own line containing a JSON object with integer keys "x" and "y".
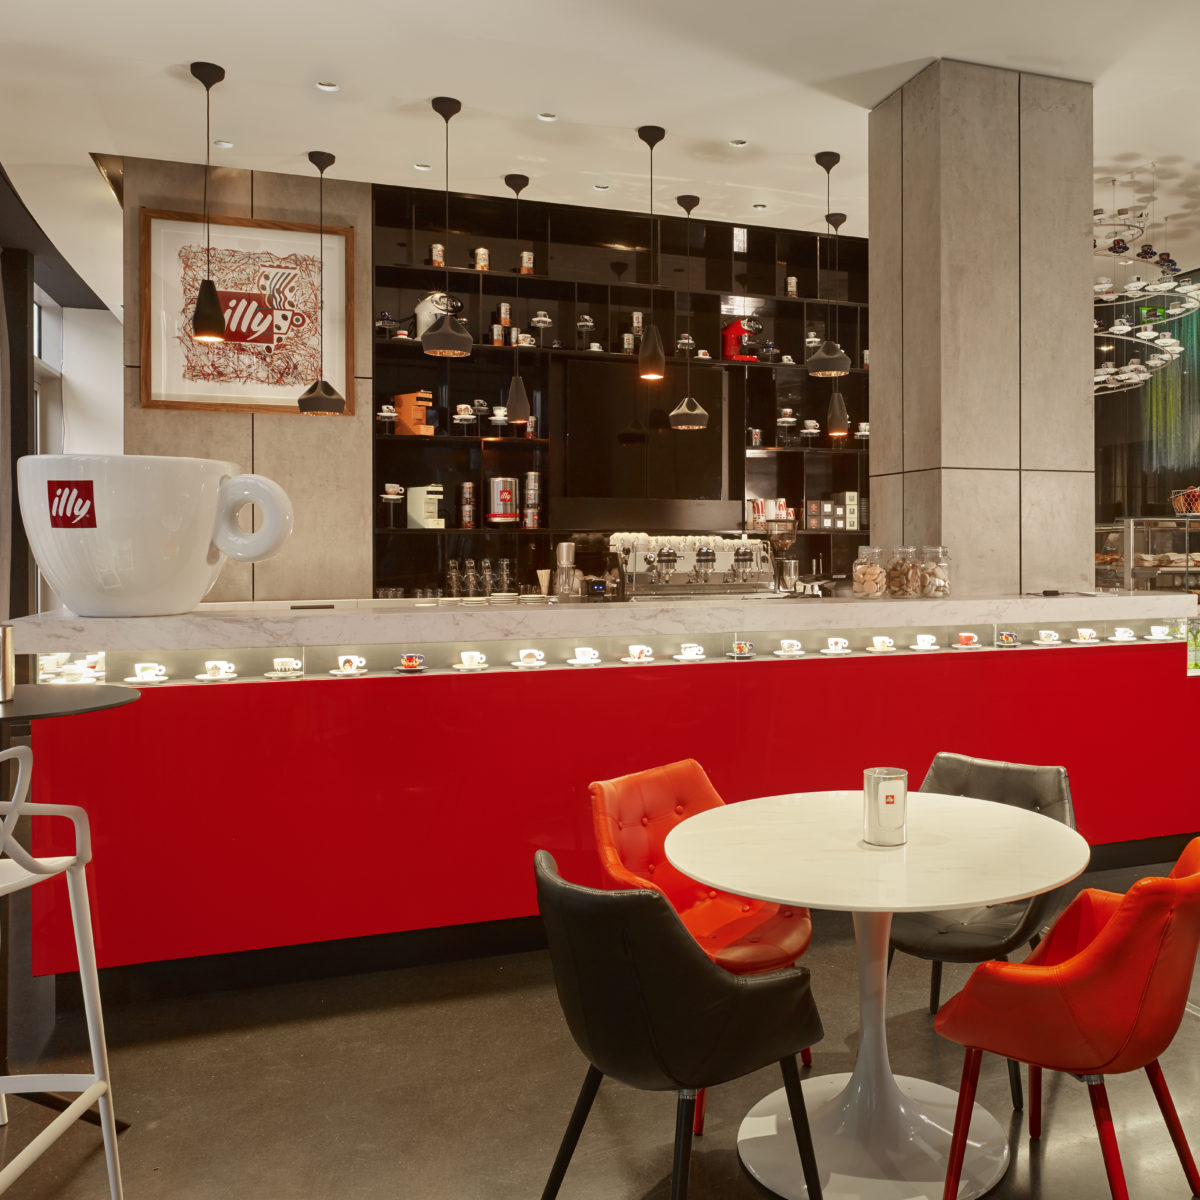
{"x": 845, "y": 498}
{"x": 411, "y": 408}
{"x": 852, "y": 517}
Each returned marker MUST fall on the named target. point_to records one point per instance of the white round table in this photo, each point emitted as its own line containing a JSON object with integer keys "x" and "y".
{"x": 878, "y": 1136}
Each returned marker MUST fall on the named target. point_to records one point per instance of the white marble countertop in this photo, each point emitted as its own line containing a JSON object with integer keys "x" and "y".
{"x": 378, "y": 622}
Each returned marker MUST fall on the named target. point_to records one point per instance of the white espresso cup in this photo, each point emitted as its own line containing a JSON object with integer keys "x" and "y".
{"x": 218, "y": 668}
{"x": 473, "y": 658}
{"x": 790, "y": 646}
{"x": 531, "y": 656}
{"x": 149, "y": 670}
{"x": 351, "y": 662}
{"x": 286, "y": 664}
{"x": 882, "y": 643}
{"x": 393, "y": 489}
{"x": 1047, "y": 635}
{"x": 128, "y": 535}
{"x": 1126, "y": 635}
{"x": 811, "y": 425}
{"x": 691, "y": 650}
{"x": 926, "y": 641}
{"x": 838, "y": 643}
{"x": 1086, "y": 635}
{"x": 641, "y": 652}
{"x": 1160, "y": 631}
{"x": 587, "y": 654}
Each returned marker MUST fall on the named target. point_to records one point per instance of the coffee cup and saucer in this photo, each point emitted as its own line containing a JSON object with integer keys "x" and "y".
{"x": 1085, "y": 637}
{"x": 529, "y": 658}
{"x": 925, "y": 641}
{"x": 285, "y": 668}
{"x": 410, "y": 664}
{"x": 741, "y": 650}
{"x": 148, "y": 673}
{"x": 836, "y": 645}
{"x": 217, "y": 670}
{"x": 639, "y": 654}
{"x": 689, "y": 652}
{"x": 966, "y": 641}
{"x": 1047, "y": 637}
{"x": 1121, "y": 634}
{"x": 881, "y": 645}
{"x": 788, "y": 648}
{"x": 585, "y": 656}
{"x": 350, "y": 665}
{"x": 471, "y": 660}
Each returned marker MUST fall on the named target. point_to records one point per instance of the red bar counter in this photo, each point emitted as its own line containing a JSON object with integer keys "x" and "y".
{"x": 247, "y": 815}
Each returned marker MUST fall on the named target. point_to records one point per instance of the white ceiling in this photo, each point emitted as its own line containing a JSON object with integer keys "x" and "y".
{"x": 791, "y": 76}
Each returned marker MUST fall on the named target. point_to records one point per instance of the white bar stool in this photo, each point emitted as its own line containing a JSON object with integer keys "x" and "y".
{"x": 19, "y": 870}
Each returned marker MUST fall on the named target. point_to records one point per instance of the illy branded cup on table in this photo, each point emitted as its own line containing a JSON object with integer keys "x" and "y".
{"x": 885, "y": 806}
{"x": 128, "y": 535}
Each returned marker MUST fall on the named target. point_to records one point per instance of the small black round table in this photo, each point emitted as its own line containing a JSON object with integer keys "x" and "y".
{"x": 40, "y": 702}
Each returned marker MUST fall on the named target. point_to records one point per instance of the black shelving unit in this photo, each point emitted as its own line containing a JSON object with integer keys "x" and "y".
{"x": 598, "y": 262}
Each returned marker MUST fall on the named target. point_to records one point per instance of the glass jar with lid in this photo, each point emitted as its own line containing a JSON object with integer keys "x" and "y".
{"x": 903, "y": 574}
{"x": 870, "y": 579}
{"x": 935, "y": 572}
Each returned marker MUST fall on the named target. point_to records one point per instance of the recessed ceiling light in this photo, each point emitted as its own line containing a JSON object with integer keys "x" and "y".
{"x": 547, "y": 116}
{"x": 600, "y": 187}
{"x": 422, "y": 167}
{"x": 325, "y": 85}
{"x": 222, "y": 143}
{"x": 760, "y": 206}
{"x": 738, "y": 142}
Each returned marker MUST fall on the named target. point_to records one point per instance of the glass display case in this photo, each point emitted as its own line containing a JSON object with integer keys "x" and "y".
{"x": 1149, "y": 554}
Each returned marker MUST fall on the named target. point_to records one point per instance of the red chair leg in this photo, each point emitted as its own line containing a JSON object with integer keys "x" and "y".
{"x": 1108, "y": 1140}
{"x": 1167, "y": 1106}
{"x": 1035, "y": 1101}
{"x": 806, "y": 1056}
{"x": 962, "y": 1121}
{"x": 698, "y": 1120}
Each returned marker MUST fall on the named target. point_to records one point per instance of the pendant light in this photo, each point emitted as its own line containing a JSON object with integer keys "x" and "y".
{"x": 830, "y": 360}
{"x": 652, "y": 359}
{"x": 208, "y": 320}
{"x": 518, "y": 398}
{"x": 321, "y": 399}
{"x": 447, "y": 337}
{"x": 688, "y": 413}
{"x": 837, "y": 419}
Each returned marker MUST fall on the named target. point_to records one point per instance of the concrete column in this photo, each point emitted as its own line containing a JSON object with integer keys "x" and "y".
{"x": 980, "y": 259}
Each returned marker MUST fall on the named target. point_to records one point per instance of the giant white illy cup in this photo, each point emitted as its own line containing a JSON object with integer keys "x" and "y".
{"x": 131, "y": 535}
{"x": 885, "y": 806}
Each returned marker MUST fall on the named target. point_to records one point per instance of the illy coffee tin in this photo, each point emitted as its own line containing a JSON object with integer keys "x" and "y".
{"x": 793, "y": 290}
{"x": 627, "y": 343}
{"x": 526, "y": 262}
{"x": 482, "y": 259}
{"x": 502, "y": 500}
{"x": 514, "y": 335}
{"x": 531, "y": 518}
{"x": 505, "y": 313}
{"x": 497, "y": 335}
{"x": 467, "y": 517}
{"x": 637, "y": 322}
{"x": 437, "y": 254}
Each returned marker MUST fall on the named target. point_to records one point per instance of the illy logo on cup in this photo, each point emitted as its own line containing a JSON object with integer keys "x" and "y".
{"x": 889, "y": 798}
{"x": 72, "y": 504}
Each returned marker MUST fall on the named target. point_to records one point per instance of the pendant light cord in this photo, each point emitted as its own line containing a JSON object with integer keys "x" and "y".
{"x": 321, "y": 283}
{"x": 207, "y": 161}
{"x": 445, "y": 249}
{"x": 653, "y": 265}
{"x": 688, "y": 360}
{"x": 517, "y": 222}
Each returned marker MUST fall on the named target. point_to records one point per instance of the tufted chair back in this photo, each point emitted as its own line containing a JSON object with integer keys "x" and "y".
{"x": 1043, "y": 790}
{"x": 634, "y": 813}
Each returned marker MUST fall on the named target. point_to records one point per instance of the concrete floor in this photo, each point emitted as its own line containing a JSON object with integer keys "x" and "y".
{"x": 454, "y": 1082}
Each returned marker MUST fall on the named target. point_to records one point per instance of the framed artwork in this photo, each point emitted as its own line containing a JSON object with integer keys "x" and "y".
{"x": 268, "y": 277}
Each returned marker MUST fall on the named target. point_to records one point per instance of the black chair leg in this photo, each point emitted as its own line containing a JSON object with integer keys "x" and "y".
{"x": 685, "y": 1115}
{"x": 1014, "y": 1085}
{"x": 804, "y": 1143}
{"x": 935, "y": 986}
{"x": 587, "y": 1093}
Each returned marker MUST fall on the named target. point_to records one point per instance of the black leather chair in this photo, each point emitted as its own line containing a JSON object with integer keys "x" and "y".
{"x": 647, "y": 1006}
{"x": 976, "y": 935}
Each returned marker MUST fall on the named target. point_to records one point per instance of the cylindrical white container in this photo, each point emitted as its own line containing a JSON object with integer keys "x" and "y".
{"x": 885, "y": 806}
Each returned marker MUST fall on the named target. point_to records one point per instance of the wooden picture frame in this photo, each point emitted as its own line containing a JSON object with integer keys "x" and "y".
{"x": 268, "y": 276}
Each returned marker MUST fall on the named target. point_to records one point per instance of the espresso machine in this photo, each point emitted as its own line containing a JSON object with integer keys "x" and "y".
{"x": 693, "y": 565}
{"x": 428, "y": 309}
{"x": 738, "y": 339}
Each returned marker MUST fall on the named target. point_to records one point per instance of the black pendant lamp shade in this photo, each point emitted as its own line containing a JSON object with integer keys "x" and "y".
{"x": 689, "y": 413}
{"x": 518, "y": 399}
{"x": 837, "y": 420}
{"x": 830, "y": 361}
{"x": 208, "y": 319}
{"x": 652, "y": 359}
{"x": 321, "y": 399}
{"x": 634, "y": 434}
{"x": 447, "y": 337}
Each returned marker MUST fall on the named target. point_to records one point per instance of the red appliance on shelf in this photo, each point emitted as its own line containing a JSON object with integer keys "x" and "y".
{"x": 737, "y": 339}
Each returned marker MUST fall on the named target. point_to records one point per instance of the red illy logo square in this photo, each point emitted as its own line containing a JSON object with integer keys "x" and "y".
{"x": 72, "y": 504}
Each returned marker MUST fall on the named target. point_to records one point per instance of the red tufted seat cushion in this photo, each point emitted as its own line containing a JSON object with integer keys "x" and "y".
{"x": 632, "y": 816}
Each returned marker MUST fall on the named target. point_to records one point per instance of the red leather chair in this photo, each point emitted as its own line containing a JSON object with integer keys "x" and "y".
{"x": 632, "y": 816}
{"x": 1102, "y": 994}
